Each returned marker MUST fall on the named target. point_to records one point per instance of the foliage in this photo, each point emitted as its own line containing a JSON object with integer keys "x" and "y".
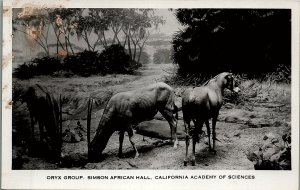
{"x": 35, "y": 25}
{"x": 91, "y": 25}
{"x": 64, "y": 24}
{"x": 24, "y": 71}
{"x": 162, "y": 56}
{"x": 135, "y": 25}
{"x": 248, "y": 41}
{"x": 46, "y": 65}
{"x": 97, "y": 21}
{"x": 116, "y": 60}
{"x": 84, "y": 63}
{"x": 38, "y": 66}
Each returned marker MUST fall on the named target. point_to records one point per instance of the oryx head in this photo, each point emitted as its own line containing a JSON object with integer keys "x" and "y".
{"x": 231, "y": 83}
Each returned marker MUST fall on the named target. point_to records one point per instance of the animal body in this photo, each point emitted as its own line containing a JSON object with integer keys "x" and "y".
{"x": 44, "y": 110}
{"x": 200, "y": 104}
{"x": 126, "y": 109}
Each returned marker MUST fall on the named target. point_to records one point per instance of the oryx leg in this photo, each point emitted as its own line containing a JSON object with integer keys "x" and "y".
{"x": 168, "y": 115}
{"x": 198, "y": 129}
{"x": 41, "y": 127}
{"x": 187, "y": 141}
{"x": 194, "y": 150}
{"x": 208, "y": 133}
{"x": 130, "y": 134}
{"x": 214, "y": 122}
{"x": 121, "y": 138}
{"x": 32, "y": 128}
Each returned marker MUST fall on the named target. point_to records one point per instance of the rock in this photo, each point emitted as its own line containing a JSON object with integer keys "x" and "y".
{"x": 236, "y": 134}
{"x": 285, "y": 164}
{"x": 73, "y": 160}
{"x": 270, "y": 135}
{"x": 158, "y": 129}
{"x": 268, "y": 153}
{"x": 231, "y": 119}
{"x": 273, "y": 155}
{"x": 275, "y": 140}
{"x": 229, "y": 106}
{"x": 287, "y": 138}
{"x": 160, "y": 117}
{"x": 71, "y": 136}
{"x": 267, "y": 145}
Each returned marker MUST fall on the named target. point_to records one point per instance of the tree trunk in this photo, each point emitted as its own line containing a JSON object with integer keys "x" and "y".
{"x": 87, "y": 40}
{"x": 129, "y": 47}
{"x": 140, "y": 53}
{"x": 57, "y": 48}
{"x": 66, "y": 42}
{"x": 68, "y": 38}
{"x": 134, "y": 53}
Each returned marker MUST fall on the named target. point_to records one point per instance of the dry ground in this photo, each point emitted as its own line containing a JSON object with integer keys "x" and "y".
{"x": 240, "y": 127}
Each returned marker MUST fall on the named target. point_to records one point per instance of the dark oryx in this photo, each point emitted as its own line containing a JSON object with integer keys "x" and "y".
{"x": 199, "y": 104}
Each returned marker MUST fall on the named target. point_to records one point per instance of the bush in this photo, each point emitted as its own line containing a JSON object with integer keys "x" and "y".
{"x": 162, "y": 56}
{"x": 116, "y": 60}
{"x": 84, "y": 63}
{"x": 47, "y": 65}
{"x": 248, "y": 41}
{"x": 38, "y": 66}
{"x": 24, "y": 71}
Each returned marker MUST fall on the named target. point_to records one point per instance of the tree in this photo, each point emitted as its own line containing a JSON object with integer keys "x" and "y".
{"x": 34, "y": 23}
{"x": 251, "y": 41}
{"x": 64, "y": 24}
{"x": 139, "y": 24}
{"x": 93, "y": 21}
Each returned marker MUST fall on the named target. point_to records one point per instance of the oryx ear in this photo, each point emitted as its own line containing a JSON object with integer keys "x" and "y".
{"x": 229, "y": 76}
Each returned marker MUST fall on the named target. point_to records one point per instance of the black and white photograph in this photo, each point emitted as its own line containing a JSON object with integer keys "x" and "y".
{"x": 182, "y": 89}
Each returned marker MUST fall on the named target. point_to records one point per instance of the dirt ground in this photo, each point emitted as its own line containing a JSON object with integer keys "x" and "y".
{"x": 238, "y": 129}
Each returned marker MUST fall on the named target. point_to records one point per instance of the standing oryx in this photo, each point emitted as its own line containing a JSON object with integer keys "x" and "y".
{"x": 127, "y": 109}
{"x": 44, "y": 110}
{"x": 199, "y": 104}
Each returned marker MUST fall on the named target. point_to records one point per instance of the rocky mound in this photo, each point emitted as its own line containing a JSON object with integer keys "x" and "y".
{"x": 273, "y": 154}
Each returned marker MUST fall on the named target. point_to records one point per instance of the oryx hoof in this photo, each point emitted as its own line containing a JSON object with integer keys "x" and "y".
{"x": 136, "y": 156}
{"x": 175, "y": 145}
{"x": 121, "y": 155}
{"x": 193, "y": 162}
{"x": 213, "y": 151}
{"x": 185, "y": 163}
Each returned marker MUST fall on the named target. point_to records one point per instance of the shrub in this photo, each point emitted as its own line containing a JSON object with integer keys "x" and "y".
{"x": 162, "y": 56}
{"x": 116, "y": 60}
{"x": 47, "y": 65}
{"x": 248, "y": 41}
{"x": 38, "y": 66}
{"x": 84, "y": 63}
{"x": 24, "y": 71}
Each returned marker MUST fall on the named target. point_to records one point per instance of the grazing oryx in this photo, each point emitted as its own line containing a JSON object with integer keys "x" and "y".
{"x": 44, "y": 110}
{"x": 126, "y": 109}
{"x": 202, "y": 103}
